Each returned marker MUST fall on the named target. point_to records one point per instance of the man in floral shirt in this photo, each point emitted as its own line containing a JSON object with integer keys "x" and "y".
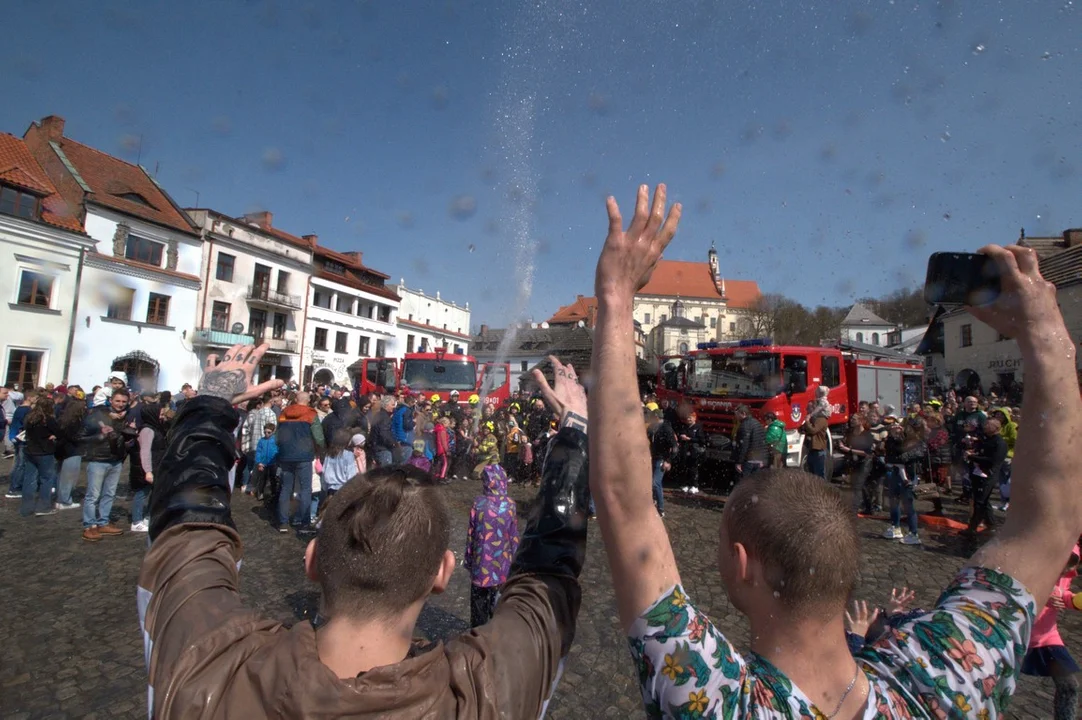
{"x": 788, "y": 549}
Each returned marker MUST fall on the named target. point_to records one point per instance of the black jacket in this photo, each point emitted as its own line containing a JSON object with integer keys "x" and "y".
{"x": 750, "y": 443}
{"x": 990, "y": 455}
{"x": 663, "y": 442}
{"x": 38, "y": 434}
{"x": 98, "y": 447}
{"x": 381, "y": 437}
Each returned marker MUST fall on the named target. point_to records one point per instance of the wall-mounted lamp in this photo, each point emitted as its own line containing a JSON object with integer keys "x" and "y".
{"x": 184, "y": 334}
{"x": 88, "y": 321}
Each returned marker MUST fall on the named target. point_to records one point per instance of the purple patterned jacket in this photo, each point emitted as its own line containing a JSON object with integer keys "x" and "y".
{"x": 493, "y": 536}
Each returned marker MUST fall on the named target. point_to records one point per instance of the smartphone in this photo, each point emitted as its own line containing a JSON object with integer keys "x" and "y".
{"x": 961, "y": 279}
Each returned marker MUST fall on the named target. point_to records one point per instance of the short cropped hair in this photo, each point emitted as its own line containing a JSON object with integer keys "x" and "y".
{"x": 381, "y": 542}
{"x": 802, "y": 532}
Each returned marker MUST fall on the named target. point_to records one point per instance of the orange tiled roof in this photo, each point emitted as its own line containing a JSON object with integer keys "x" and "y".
{"x": 110, "y": 178}
{"x": 433, "y": 328}
{"x": 353, "y": 282}
{"x": 688, "y": 279}
{"x": 19, "y": 168}
{"x": 584, "y": 309}
{"x": 348, "y": 260}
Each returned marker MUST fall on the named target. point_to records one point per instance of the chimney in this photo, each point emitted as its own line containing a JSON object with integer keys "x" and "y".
{"x": 261, "y": 219}
{"x": 355, "y": 254}
{"x": 53, "y": 127}
{"x": 484, "y": 330}
{"x": 1073, "y": 237}
{"x": 312, "y": 240}
{"x": 578, "y": 297}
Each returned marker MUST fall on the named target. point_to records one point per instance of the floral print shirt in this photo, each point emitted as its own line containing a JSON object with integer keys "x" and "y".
{"x": 959, "y": 660}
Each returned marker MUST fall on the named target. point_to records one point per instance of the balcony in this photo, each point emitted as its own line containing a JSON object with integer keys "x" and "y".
{"x": 209, "y": 337}
{"x": 259, "y": 295}
{"x": 278, "y": 345}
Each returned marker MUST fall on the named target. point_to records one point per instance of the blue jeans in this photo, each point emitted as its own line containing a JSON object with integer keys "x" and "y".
{"x": 101, "y": 482}
{"x": 817, "y": 462}
{"x": 18, "y": 471}
{"x": 295, "y": 473}
{"x": 138, "y": 504}
{"x": 659, "y": 476}
{"x": 249, "y": 466}
{"x": 901, "y": 493}
{"x": 68, "y": 476}
{"x": 38, "y": 484}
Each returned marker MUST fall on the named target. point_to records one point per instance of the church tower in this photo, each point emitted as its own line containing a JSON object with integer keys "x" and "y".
{"x": 715, "y": 272}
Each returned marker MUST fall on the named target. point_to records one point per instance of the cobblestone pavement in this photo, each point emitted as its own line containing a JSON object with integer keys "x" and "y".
{"x": 71, "y": 645}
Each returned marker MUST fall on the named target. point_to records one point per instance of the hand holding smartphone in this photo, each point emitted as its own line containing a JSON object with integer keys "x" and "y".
{"x": 961, "y": 279}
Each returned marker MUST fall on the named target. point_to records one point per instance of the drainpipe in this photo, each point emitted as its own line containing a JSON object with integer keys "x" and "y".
{"x": 74, "y": 315}
{"x": 206, "y": 279}
{"x": 304, "y": 328}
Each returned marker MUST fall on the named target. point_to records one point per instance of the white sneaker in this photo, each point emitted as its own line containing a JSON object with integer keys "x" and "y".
{"x": 893, "y": 533}
{"x": 13, "y": 496}
{"x": 141, "y": 526}
{"x": 911, "y": 539}
{"x": 69, "y": 506}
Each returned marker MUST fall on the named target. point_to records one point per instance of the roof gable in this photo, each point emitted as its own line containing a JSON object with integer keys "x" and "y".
{"x": 584, "y": 309}
{"x": 121, "y": 186}
{"x": 862, "y": 315}
{"x": 19, "y": 168}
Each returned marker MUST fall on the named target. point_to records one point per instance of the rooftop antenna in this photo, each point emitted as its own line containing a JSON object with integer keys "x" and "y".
{"x": 188, "y": 189}
{"x": 139, "y": 152}
{"x": 157, "y": 164}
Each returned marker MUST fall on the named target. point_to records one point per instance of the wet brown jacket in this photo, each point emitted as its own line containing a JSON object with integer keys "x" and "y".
{"x": 210, "y": 657}
{"x": 816, "y": 430}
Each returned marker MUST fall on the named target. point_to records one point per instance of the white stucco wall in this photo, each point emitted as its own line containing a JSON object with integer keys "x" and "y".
{"x": 355, "y": 326}
{"x": 849, "y": 332}
{"x": 727, "y": 318}
{"x": 435, "y": 312}
{"x": 49, "y": 251}
{"x": 99, "y": 341}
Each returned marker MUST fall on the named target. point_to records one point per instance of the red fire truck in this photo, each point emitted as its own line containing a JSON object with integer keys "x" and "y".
{"x": 717, "y": 377}
{"x": 435, "y": 373}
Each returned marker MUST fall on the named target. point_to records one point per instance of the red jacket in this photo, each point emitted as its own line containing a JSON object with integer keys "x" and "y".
{"x": 443, "y": 440}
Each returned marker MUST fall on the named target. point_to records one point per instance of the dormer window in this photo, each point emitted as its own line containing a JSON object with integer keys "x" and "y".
{"x": 19, "y": 203}
{"x": 144, "y": 251}
{"x": 135, "y": 198}
{"x": 333, "y": 267}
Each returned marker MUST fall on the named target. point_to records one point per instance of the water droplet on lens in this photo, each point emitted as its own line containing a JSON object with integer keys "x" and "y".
{"x": 978, "y": 48}
{"x": 755, "y": 499}
{"x": 471, "y": 247}
{"x": 777, "y": 594}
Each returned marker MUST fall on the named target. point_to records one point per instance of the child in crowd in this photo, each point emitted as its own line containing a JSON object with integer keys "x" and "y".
{"x": 1047, "y": 656}
{"x": 490, "y": 543}
{"x": 359, "y": 455}
{"x": 266, "y": 452}
{"x": 866, "y": 628}
{"x": 418, "y": 460}
{"x": 488, "y": 447}
{"x": 339, "y": 467}
{"x": 443, "y": 448}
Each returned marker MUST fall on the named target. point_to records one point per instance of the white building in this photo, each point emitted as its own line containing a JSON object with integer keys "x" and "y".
{"x": 707, "y": 298}
{"x": 960, "y": 351}
{"x": 255, "y": 280}
{"x": 864, "y": 326}
{"x": 140, "y": 286}
{"x": 41, "y": 253}
{"x": 351, "y": 314}
{"x": 676, "y": 334}
{"x": 426, "y": 322}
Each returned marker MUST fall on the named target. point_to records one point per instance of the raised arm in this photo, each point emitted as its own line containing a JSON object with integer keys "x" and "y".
{"x": 189, "y": 577}
{"x": 639, "y": 552}
{"x": 534, "y": 623}
{"x": 1046, "y": 480}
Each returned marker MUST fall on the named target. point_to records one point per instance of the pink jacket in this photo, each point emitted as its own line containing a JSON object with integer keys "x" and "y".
{"x": 1045, "y": 628}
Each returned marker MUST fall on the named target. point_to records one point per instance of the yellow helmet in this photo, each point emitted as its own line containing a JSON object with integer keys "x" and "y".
{"x": 435, "y": 398}
{"x": 490, "y": 425}
{"x": 474, "y": 399}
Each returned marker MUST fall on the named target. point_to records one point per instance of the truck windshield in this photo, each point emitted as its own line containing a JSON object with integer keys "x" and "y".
{"x": 435, "y": 375}
{"x": 748, "y": 375}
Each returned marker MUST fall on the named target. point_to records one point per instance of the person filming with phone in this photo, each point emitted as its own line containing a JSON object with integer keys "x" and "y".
{"x": 788, "y": 550}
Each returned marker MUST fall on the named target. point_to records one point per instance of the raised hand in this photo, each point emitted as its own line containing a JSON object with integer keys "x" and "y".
{"x": 231, "y": 379}
{"x": 900, "y": 600}
{"x": 629, "y": 257}
{"x": 1026, "y": 306}
{"x": 860, "y": 620}
{"x": 567, "y": 396}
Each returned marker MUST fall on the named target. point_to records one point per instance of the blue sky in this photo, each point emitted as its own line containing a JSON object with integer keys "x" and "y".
{"x": 826, "y": 148}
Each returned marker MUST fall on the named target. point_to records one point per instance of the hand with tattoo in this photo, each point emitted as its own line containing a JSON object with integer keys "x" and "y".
{"x": 568, "y": 398}
{"x": 231, "y": 379}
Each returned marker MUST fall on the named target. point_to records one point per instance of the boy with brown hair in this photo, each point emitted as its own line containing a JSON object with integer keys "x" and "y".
{"x": 381, "y": 551}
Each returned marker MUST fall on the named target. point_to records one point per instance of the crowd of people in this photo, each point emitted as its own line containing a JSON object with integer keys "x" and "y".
{"x": 788, "y": 545}
{"x": 295, "y": 447}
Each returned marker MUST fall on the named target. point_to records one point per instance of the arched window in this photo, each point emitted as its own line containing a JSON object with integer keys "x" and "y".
{"x": 683, "y": 348}
{"x": 875, "y": 338}
{"x": 860, "y": 337}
